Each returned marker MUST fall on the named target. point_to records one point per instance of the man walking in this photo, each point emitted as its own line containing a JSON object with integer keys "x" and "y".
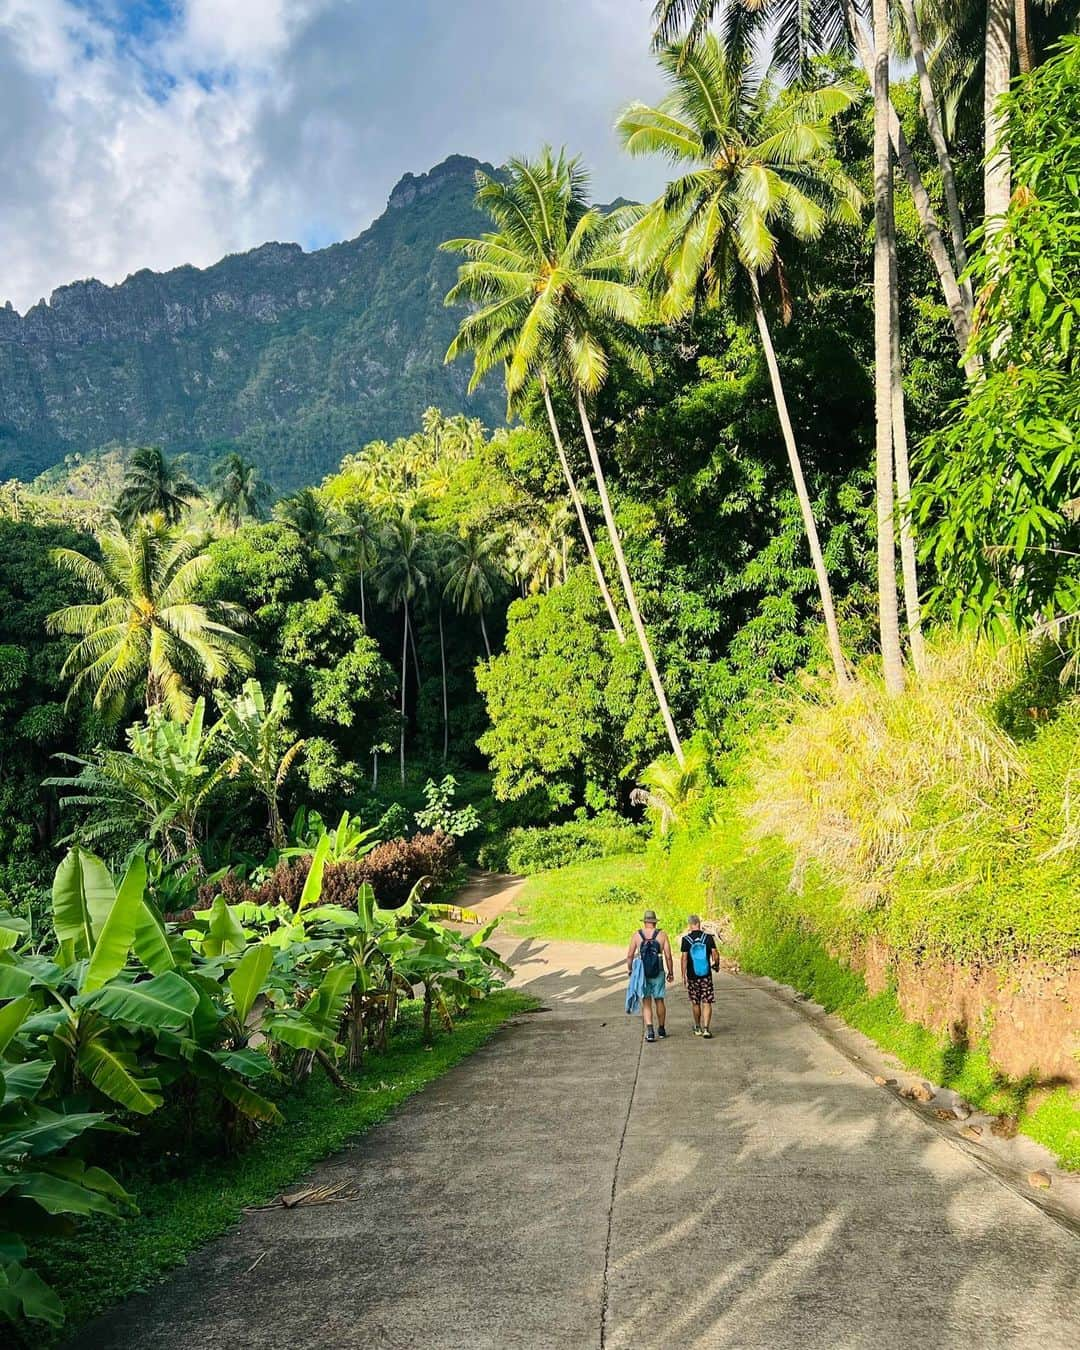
{"x": 650, "y": 944}
{"x": 699, "y": 958}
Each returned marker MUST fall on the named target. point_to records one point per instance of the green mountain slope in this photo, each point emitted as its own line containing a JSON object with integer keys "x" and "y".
{"x": 293, "y": 357}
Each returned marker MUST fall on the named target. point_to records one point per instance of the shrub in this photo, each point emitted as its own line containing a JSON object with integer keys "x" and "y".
{"x": 604, "y": 836}
{"x": 621, "y": 895}
{"x": 392, "y": 870}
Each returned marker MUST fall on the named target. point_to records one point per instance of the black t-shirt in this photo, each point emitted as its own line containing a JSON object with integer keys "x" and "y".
{"x": 710, "y": 947}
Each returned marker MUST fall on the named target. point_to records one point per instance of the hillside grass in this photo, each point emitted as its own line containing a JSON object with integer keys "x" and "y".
{"x": 777, "y": 932}
{"x": 183, "y": 1207}
{"x": 581, "y": 903}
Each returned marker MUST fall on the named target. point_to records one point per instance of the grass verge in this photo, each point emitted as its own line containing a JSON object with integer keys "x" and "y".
{"x": 185, "y": 1202}
{"x": 583, "y": 903}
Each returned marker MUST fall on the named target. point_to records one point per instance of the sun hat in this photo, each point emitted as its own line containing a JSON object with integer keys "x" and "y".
{"x": 649, "y": 916}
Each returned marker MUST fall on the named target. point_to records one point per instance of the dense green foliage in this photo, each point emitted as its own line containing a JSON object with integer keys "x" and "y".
{"x": 538, "y": 848}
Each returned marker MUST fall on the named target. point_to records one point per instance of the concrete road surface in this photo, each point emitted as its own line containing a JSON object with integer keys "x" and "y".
{"x": 569, "y": 1186}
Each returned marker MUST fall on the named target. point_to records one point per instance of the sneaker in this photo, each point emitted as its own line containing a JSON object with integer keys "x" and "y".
{"x": 650, "y": 1035}
{"x": 706, "y": 1034}
{"x": 697, "y": 1030}
{"x": 662, "y": 1033}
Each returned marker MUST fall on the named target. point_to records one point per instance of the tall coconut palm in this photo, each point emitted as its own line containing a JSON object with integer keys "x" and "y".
{"x": 497, "y": 274}
{"x": 884, "y": 354}
{"x": 364, "y": 536}
{"x": 239, "y": 490}
{"x": 154, "y": 484}
{"x": 324, "y": 530}
{"x": 555, "y": 306}
{"x": 475, "y": 570}
{"x": 145, "y": 623}
{"x": 404, "y": 574}
{"x": 793, "y": 32}
{"x": 754, "y": 162}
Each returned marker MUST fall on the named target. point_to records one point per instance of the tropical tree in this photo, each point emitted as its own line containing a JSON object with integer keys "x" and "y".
{"x": 145, "y": 624}
{"x": 325, "y": 531}
{"x": 541, "y": 550}
{"x": 404, "y": 573}
{"x": 153, "y": 485}
{"x": 238, "y": 489}
{"x": 791, "y": 33}
{"x": 155, "y": 790}
{"x": 555, "y": 306}
{"x": 884, "y": 351}
{"x": 259, "y": 745}
{"x": 363, "y": 550}
{"x": 667, "y": 789}
{"x": 475, "y": 570}
{"x": 497, "y": 274}
{"x": 756, "y": 161}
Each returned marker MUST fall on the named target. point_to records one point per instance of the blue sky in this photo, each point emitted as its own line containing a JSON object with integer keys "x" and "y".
{"x": 149, "y": 133}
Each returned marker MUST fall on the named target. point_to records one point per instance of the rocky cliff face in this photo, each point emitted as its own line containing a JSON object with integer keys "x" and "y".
{"x": 294, "y": 357}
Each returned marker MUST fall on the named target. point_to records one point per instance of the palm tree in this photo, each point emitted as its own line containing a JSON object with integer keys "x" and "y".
{"x": 796, "y": 31}
{"x": 555, "y": 306}
{"x": 146, "y": 623}
{"x": 364, "y": 535}
{"x": 323, "y": 530}
{"x": 753, "y": 161}
{"x": 541, "y": 550}
{"x": 667, "y": 788}
{"x": 404, "y": 573}
{"x": 499, "y": 268}
{"x": 239, "y": 491}
{"x": 475, "y": 571}
{"x": 884, "y": 355}
{"x": 154, "y": 484}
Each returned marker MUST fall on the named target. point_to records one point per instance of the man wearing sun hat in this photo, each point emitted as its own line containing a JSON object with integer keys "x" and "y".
{"x": 651, "y": 947}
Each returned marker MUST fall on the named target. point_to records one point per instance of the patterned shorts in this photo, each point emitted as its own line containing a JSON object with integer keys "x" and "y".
{"x": 700, "y": 989}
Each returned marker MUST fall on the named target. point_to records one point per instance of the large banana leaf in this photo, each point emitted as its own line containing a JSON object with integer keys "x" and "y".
{"x": 313, "y": 885}
{"x": 26, "y": 1293}
{"x": 15, "y": 980}
{"x": 117, "y": 933}
{"x": 58, "y": 1195}
{"x": 165, "y": 1002}
{"x": 116, "y": 1074}
{"x": 292, "y": 1028}
{"x": 248, "y": 978}
{"x": 12, "y": 1016}
{"x": 224, "y": 932}
{"x": 40, "y": 1131}
{"x": 12, "y": 931}
{"x": 325, "y": 1008}
{"x": 248, "y": 1102}
{"x": 83, "y": 894}
{"x": 151, "y": 944}
{"x": 22, "y": 1082}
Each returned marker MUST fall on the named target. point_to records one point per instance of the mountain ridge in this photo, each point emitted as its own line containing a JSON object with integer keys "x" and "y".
{"x": 293, "y": 357}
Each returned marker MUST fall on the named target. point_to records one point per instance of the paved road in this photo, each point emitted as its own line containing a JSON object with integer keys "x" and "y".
{"x": 570, "y": 1187}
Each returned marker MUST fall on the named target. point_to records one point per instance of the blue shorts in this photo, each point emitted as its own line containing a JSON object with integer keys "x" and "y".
{"x": 655, "y": 987}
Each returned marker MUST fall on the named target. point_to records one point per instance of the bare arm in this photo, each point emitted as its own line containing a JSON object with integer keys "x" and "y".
{"x": 631, "y": 952}
{"x": 682, "y": 963}
{"x": 665, "y": 947}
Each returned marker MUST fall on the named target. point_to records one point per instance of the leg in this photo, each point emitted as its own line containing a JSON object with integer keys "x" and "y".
{"x": 646, "y": 1011}
{"x": 695, "y": 1009}
{"x": 706, "y": 1014}
{"x": 661, "y": 1012}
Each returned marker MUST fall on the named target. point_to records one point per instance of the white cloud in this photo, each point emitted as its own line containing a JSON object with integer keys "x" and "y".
{"x": 227, "y": 124}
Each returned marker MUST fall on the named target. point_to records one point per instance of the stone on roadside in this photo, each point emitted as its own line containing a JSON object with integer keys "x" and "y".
{"x": 923, "y": 1092}
{"x": 884, "y": 1082}
{"x": 961, "y": 1110}
{"x": 972, "y": 1132}
{"x": 1039, "y": 1179}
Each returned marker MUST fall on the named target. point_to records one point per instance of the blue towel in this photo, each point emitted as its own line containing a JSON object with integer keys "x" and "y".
{"x": 636, "y": 987}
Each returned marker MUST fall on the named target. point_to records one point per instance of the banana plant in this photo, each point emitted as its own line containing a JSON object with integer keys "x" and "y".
{"x": 348, "y": 840}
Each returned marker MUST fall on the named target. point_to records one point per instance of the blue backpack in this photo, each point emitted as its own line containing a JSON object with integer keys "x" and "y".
{"x": 699, "y": 955}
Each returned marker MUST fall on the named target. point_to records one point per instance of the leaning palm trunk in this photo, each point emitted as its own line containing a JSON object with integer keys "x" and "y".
{"x": 628, "y": 588}
{"x": 959, "y": 309}
{"x": 941, "y": 149}
{"x": 483, "y": 630}
{"x": 445, "y": 701}
{"x": 996, "y": 165}
{"x": 404, "y": 671}
{"x": 832, "y": 630}
{"x": 586, "y": 533}
{"x": 912, "y": 606}
{"x": 888, "y": 615}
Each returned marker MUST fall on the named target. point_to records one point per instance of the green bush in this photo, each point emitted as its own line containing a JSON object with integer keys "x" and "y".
{"x": 604, "y": 836}
{"x": 621, "y": 895}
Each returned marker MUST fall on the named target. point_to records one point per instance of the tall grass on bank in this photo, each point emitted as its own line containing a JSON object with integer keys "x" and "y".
{"x": 945, "y": 834}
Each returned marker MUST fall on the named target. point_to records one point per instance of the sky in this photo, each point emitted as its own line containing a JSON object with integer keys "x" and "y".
{"x": 150, "y": 133}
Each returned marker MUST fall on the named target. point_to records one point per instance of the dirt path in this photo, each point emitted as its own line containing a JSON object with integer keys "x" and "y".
{"x": 568, "y": 1187}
